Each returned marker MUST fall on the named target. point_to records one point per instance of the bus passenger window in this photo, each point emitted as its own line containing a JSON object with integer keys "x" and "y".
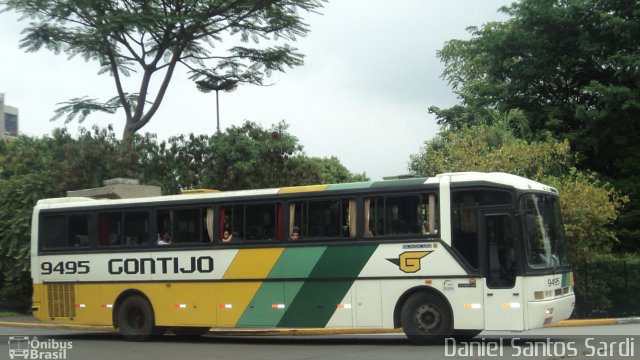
{"x": 110, "y": 232}
{"x": 257, "y": 222}
{"x": 374, "y": 216}
{"x": 136, "y": 228}
{"x": 428, "y": 215}
{"x": 401, "y": 215}
{"x": 66, "y": 231}
{"x": 54, "y": 232}
{"x": 317, "y": 219}
{"x": 500, "y": 252}
{"x": 231, "y": 223}
{"x": 464, "y": 226}
{"x": 464, "y": 219}
{"x": 186, "y": 227}
{"x": 79, "y": 231}
{"x": 260, "y": 222}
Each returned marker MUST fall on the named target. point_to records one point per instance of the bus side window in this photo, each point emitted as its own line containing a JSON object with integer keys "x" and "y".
{"x": 261, "y": 222}
{"x": 186, "y": 226}
{"x": 411, "y": 214}
{"x": 252, "y": 222}
{"x": 429, "y": 215}
{"x": 61, "y": 232}
{"x": 374, "y": 216}
{"x": 110, "y": 231}
{"x": 136, "y": 228}
{"x": 464, "y": 226}
{"x": 232, "y": 223}
{"x": 55, "y": 235}
{"x": 316, "y": 219}
{"x": 79, "y": 230}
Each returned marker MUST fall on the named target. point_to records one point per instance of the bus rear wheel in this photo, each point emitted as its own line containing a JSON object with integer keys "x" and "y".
{"x": 426, "y": 319}
{"x": 136, "y": 319}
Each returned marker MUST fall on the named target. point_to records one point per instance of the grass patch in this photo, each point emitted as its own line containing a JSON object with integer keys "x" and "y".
{"x": 7, "y": 314}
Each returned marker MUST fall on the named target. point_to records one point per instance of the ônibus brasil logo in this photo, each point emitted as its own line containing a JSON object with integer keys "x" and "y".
{"x": 25, "y": 347}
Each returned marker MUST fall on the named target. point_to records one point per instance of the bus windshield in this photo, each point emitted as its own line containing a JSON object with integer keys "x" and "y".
{"x": 544, "y": 237}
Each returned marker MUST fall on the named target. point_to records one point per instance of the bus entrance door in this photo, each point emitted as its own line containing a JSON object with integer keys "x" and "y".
{"x": 503, "y": 299}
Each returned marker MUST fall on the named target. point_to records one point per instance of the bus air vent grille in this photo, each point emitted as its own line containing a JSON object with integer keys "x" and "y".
{"x": 62, "y": 298}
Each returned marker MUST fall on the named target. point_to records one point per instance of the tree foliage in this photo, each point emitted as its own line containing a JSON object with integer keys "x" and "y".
{"x": 571, "y": 68}
{"x": 154, "y": 37}
{"x": 590, "y": 207}
{"x": 486, "y": 148}
{"x": 248, "y": 156}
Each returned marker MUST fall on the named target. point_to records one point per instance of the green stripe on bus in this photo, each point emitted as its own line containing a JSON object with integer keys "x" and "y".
{"x": 350, "y": 186}
{"x": 399, "y": 182}
{"x": 270, "y": 302}
{"x": 317, "y": 300}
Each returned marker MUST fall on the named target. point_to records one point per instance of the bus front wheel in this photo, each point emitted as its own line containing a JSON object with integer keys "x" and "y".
{"x": 426, "y": 318}
{"x": 136, "y": 319}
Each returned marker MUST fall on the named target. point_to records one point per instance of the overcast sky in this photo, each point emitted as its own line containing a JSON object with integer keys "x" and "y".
{"x": 370, "y": 74}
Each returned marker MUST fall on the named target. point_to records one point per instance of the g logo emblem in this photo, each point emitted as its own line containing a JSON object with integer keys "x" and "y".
{"x": 409, "y": 261}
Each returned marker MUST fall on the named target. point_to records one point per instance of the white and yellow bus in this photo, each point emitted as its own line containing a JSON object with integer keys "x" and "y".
{"x": 452, "y": 254}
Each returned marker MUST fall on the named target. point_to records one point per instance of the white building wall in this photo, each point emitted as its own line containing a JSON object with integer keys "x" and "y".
{"x": 4, "y": 110}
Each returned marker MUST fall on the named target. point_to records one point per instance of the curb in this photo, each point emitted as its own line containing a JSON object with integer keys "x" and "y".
{"x": 301, "y": 332}
{"x": 584, "y": 322}
{"x": 594, "y": 322}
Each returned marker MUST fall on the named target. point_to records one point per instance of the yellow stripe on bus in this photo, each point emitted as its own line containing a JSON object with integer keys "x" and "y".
{"x": 234, "y": 297}
{"x": 296, "y": 189}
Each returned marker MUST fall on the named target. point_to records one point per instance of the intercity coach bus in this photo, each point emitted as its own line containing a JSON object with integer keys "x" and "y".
{"x": 453, "y": 254}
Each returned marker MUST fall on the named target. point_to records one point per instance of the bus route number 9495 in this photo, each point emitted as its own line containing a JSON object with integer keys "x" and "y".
{"x": 65, "y": 267}
{"x": 553, "y": 282}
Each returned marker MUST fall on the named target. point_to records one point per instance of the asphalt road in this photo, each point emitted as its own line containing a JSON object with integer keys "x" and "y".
{"x": 612, "y": 341}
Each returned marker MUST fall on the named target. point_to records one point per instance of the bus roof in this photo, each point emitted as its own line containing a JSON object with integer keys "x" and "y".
{"x": 505, "y": 179}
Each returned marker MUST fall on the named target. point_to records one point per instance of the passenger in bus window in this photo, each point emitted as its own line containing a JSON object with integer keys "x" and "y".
{"x": 379, "y": 227}
{"x": 425, "y": 228}
{"x": 227, "y": 236}
{"x": 164, "y": 238}
{"x": 81, "y": 240}
{"x": 295, "y": 234}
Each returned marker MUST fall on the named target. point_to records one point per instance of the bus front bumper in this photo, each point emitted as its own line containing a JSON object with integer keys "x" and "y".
{"x": 543, "y": 313}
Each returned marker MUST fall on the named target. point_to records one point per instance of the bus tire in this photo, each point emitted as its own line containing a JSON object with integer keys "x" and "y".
{"x": 136, "y": 319}
{"x": 426, "y": 318}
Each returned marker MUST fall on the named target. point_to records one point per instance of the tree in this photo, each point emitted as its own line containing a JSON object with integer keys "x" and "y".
{"x": 250, "y": 156}
{"x": 154, "y": 37}
{"x": 570, "y": 67}
{"x": 590, "y": 206}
